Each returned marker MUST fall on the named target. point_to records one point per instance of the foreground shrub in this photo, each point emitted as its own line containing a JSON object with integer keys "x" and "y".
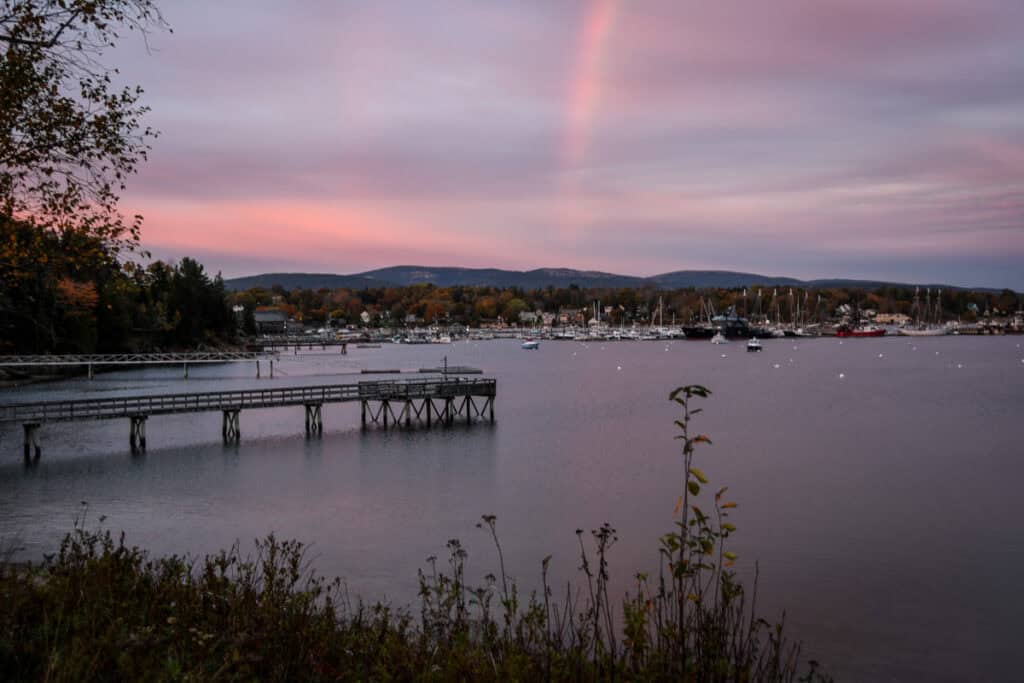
{"x": 100, "y": 609}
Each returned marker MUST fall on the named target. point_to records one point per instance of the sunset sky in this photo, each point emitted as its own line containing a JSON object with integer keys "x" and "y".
{"x": 814, "y": 138}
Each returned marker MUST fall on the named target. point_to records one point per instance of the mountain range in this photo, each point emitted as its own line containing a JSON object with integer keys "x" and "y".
{"x": 400, "y": 276}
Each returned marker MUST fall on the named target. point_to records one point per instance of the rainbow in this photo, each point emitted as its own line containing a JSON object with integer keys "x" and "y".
{"x": 585, "y": 83}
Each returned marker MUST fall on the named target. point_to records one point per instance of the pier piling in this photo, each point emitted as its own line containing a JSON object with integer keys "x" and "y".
{"x": 230, "y": 429}
{"x": 314, "y": 419}
{"x": 137, "y": 435}
{"x": 31, "y": 444}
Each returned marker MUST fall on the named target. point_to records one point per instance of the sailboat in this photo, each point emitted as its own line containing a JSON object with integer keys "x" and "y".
{"x": 702, "y": 329}
{"x": 923, "y": 328}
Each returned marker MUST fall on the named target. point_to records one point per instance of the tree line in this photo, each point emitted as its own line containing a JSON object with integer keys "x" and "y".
{"x": 469, "y": 305}
{"x": 70, "y": 293}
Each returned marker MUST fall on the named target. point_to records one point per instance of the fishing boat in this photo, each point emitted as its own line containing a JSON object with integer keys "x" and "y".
{"x": 719, "y": 338}
{"x": 530, "y": 344}
{"x": 861, "y": 331}
{"x": 754, "y": 345}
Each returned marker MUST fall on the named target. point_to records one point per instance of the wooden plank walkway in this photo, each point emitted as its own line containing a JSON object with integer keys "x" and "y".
{"x": 440, "y": 400}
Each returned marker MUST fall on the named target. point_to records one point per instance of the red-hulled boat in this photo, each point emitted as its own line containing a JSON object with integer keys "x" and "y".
{"x": 861, "y": 331}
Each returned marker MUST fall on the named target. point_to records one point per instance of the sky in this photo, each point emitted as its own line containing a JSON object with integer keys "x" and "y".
{"x": 807, "y": 138}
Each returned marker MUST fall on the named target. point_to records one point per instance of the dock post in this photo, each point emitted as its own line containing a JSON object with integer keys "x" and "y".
{"x": 314, "y": 420}
{"x": 408, "y": 413}
{"x": 90, "y": 370}
{"x": 31, "y": 428}
{"x": 470, "y": 407}
{"x": 385, "y": 407}
{"x": 362, "y": 412}
{"x": 271, "y": 368}
{"x": 430, "y": 408}
{"x": 230, "y": 429}
{"x": 490, "y": 401}
{"x": 185, "y": 365}
{"x": 137, "y": 436}
{"x": 257, "y": 369}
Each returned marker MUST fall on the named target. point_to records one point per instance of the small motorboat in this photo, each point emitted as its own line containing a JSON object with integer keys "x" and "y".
{"x": 754, "y": 344}
{"x": 719, "y": 338}
{"x": 530, "y": 344}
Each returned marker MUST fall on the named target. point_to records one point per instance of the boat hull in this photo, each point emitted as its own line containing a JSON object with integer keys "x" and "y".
{"x": 860, "y": 333}
{"x": 698, "y": 332}
{"x": 927, "y": 332}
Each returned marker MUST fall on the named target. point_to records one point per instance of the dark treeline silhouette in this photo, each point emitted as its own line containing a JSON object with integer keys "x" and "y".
{"x": 69, "y": 293}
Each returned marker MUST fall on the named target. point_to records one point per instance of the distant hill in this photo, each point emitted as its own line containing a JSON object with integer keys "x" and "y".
{"x": 494, "y": 277}
{"x": 725, "y": 279}
{"x": 875, "y": 284}
{"x": 300, "y": 281}
{"x": 400, "y": 276}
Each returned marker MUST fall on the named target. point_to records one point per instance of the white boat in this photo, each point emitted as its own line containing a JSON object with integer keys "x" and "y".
{"x": 719, "y": 338}
{"x": 930, "y": 331}
{"x": 754, "y": 344}
{"x": 927, "y": 319}
{"x": 531, "y": 344}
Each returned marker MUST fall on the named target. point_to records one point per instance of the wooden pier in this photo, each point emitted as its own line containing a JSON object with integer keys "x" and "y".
{"x": 94, "y": 360}
{"x": 433, "y": 401}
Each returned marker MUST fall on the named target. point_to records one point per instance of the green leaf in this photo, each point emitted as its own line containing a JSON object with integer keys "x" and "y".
{"x": 729, "y": 527}
{"x": 729, "y": 555}
{"x": 699, "y": 474}
{"x": 693, "y": 486}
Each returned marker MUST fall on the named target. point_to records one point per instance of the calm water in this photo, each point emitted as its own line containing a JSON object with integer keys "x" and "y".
{"x": 883, "y": 506}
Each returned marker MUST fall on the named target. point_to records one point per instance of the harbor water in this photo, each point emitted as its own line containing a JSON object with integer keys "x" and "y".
{"x": 877, "y": 479}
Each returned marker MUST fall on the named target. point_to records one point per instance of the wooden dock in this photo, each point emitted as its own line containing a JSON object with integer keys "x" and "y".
{"x": 94, "y": 360}
{"x": 439, "y": 401}
{"x": 297, "y": 343}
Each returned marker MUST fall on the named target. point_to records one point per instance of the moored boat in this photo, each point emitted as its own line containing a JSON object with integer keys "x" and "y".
{"x": 694, "y": 332}
{"x": 754, "y": 345}
{"x": 719, "y": 338}
{"x": 861, "y": 331}
{"x": 928, "y": 331}
{"x": 530, "y": 344}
